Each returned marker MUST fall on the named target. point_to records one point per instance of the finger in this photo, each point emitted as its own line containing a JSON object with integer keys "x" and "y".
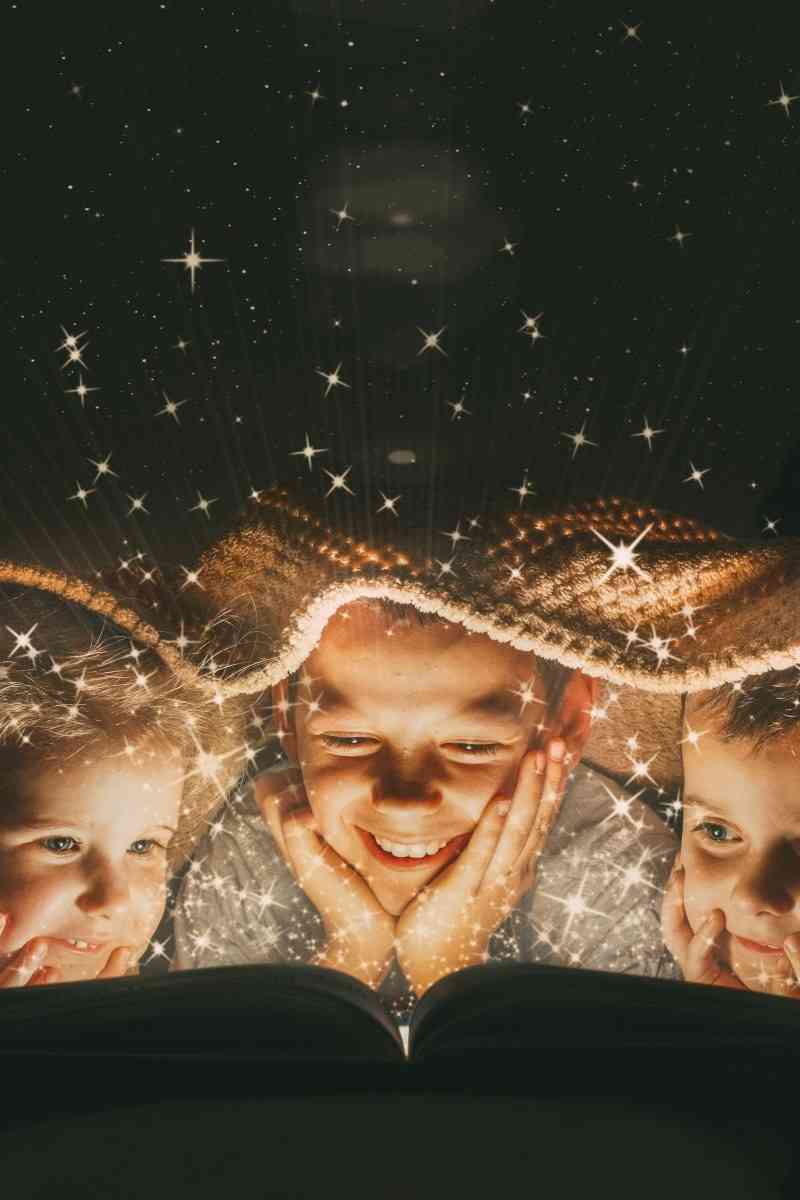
{"x": 521, "y": 816}
{"x": 45, "y": 975}
{"x": 791, "y": 948}
{"x": 675, "y": 928}
{"x": 469, "y": 869}
{"x": 552, "y": 793}
{"x": 305, "y": 849}
{"x": 24, "y": 964}
{"x": 117, "y": 963}
{"x": 702, "y": 957}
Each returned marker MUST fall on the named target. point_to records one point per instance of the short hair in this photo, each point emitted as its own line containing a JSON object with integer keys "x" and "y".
{"x": 72, "y": 681}
{"x": 758, "y": 709}
{"x": 553, "y": 675}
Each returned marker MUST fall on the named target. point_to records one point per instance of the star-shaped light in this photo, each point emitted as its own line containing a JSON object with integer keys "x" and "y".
{"x": 647, "y": 433}
{"x": 631, "y": 31}
{"x": 431, "y": 341}
{"x": 526, "y": 692}
{"x": 623, "y": 557}
{"x": 192, "y": 260}
{"x": 693, "y": 736}
{"x": 332, "y": 379}
{"x": 181, "y": 344}
{"x": 445, "y": 568}
{"x": 514, "y": 574}
{"x": 192, "y": 577}
{"x": 203, "y": 505}
{"x": 458, "y": 409}
{"x": 81, "y": 390}
{"x": 388, "y": 505}
{"x": 23, "y": 641}
{"x": 170, "y": 409}
{"x": 679, "y": 236}
{"x": 771, "y": 526}
{"x": 102, "y": 467}
{"x": 508, "y": 247}
{"x": 523, "y": 490}
{"x": 524, "y": 107}
{"x": 455, "y": 535}
{"x": 308, "y": 452}
{"x": 621, "y": 806}
{"x": 641, "y": 769}
{"x": 696, "y": 476}
{"x": 575, "y": 905}
{"x": 660, "y": 647}
{"x": 71, "y": 340}
{"x": 341, "y": 215}
{"x": 578, "y": 439}
{"x": 315, "y": 95}
{"x": 784, "y": 100}
{"x": 338, "y": 481}
{"x": 74, "y": 355}
{"x": 137, "y": 504}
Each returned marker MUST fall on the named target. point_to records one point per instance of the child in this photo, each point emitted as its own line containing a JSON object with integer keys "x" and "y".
{"x": 732, "y": 910}
{"x": 97, "y": 789}
{"x": 387, "y": 853}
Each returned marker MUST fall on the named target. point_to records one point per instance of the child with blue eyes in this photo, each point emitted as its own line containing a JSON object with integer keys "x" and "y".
{"x": 433, "y": 815}
{"x": 731, "y": 914}
{"x": 96, "y": 789}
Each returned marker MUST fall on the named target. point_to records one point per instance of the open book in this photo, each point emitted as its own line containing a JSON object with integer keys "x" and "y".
{"x": 506, "y": 1014}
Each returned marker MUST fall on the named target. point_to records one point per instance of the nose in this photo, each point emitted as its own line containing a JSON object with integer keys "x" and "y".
{"x": 401, "y": 787}
{"x": 769, "y": 884}
{"x": 107, "y": 891}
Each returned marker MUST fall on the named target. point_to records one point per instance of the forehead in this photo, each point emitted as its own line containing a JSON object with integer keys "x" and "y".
{"x": 366, "y": 658}
{"x": 101, "y": 784}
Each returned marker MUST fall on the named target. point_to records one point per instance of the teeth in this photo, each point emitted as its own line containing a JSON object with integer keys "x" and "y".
{"x": 420, "y": 850}
{"x": 78, "y": 943}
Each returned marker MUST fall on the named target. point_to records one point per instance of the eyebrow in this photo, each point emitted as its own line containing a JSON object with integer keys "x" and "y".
{"x": 494, "y": 703}
{"x": 692, "y": 801}
{"x": 50, "y": 822}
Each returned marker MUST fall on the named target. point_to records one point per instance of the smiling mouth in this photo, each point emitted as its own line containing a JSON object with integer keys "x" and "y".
{"x": 78, "y": 945}
{"x": 410, "y": 855}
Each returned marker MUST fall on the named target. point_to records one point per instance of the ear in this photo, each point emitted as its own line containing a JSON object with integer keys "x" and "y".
{"x": 573, "y": 721}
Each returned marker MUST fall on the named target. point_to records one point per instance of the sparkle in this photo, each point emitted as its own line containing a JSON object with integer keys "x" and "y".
{"x": 388, "y": 505}
{"x": 315, "y": 95}
{"x": 181, "y": 344}
{"x": 579, "y": 439}
{"x": 575, "y": 905}
{"x": 445, "y": 568}
{"x": 524, "y": 107}
{"x": 81, "y": 494}
{"x": 74, "y": 355}
{"x": 515, "y": 574}
{"x": 332, "y": 379}
{"x": 81, "y": 390}
{"x": 634, "y": 875}
{"x": 170, "y": 409}
{"x": 693, "y": 736}
{"x": 621, "y": 806}
{"x": 341, "y": 215}
{"x": 659, "y": 646}
{"x": 523, "y": 490}
{"x": 641, "y": 769}
{"x": 784, "y": 100}
{"x": 102, "y": 467}
{"x": 71, "y": 340}
{"x": 203, "y": 505}
{"x": 771, "y": 526}
{"x": 508, "y": 247}
{"x": 679, "y": 236}
{"x": 137, "y": 504}
{"x": 631, "y": 31}
{"x": 647, "y": 433}
{"x": 526, "y": 692}
{"x": 192, "y": 260}
{"x": 623, "y": 557}
{"x": 458, "y": 408}
{"x": 192, "y": 577}
{"x": 695, "y": 475}
{"x": 308, "y": 452}
{"x": 431, "y": 341}
{"x": 338, "y": 481}
{"x": 455, "y": 535}
{"x": 23, "y": 642}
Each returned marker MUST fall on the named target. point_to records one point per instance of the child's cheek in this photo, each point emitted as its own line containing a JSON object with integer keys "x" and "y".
{"x": 703, "y": 888}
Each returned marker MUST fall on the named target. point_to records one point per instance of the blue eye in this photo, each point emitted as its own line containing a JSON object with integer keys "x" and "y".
{"x": 146, "y": 846}
{"x": 714, "y": 832}
{"x": 59, "y": 844}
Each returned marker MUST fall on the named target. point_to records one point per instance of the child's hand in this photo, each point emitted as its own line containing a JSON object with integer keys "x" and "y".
{"x": 695, "y": 953}
{"x": 449, "y": 924}
{"x": 24, "y": 967}
{"x": 359, "y": 930}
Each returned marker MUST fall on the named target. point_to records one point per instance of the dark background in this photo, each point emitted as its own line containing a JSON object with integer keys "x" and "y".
{"x": 125, "y": 127}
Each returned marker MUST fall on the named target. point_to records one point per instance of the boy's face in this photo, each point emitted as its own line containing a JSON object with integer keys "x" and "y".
{"x": 83, "y": 855}
{"x": 414, "y": 730}
{"x": 741, "y": 848}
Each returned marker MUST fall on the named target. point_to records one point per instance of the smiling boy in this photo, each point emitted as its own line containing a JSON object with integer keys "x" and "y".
{"x": 732, "y": 910}
{"x": 389, "y": 856}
